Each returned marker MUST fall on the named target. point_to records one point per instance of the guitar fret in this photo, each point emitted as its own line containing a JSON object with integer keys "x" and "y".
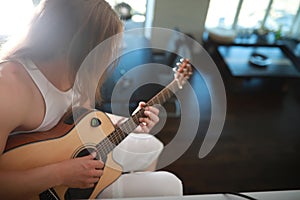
{"x": 127, "y": 127}
{"x": 102, "y": 148}
{"x": 119, "y": 136}
{"x": 164, "y": 97}
{"x": 135, "y": 120}
{"x": 159, "y": 100}
{"x": 150, "y": 103}
{"x": 124, "y": 127}
{"x": 168, "y": 92}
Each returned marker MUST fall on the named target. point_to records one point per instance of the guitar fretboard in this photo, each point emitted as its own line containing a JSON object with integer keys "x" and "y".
{"x": 121, "y": 132}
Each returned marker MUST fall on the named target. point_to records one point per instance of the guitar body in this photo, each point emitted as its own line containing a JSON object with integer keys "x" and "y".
{"x": 93, "y": 132}
{"x": 30, "y": 150}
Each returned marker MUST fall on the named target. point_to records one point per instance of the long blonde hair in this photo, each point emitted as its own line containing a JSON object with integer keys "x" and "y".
{"x": 68, "y": 29}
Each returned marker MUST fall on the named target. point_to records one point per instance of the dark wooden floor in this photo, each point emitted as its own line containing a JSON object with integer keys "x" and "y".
{"x": 259, "y": 148}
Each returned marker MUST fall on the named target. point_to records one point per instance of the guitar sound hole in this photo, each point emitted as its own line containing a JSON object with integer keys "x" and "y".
{"x": 76, "y": 193}
{"x": 85, "y": 152}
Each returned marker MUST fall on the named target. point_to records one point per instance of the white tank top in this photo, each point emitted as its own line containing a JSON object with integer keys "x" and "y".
{"x": 56, "y": 101}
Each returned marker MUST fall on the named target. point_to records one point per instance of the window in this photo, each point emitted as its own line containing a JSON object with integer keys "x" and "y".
{"x": 13, "y": 15}
{"x": 251, "y": 15}
{"x": 282, "y": 15}
{"x": 273, "y": 15}
{"x": 221, "y": 13}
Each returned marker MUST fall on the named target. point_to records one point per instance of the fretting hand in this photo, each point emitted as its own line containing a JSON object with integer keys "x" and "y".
{"x": 149, "y": 121}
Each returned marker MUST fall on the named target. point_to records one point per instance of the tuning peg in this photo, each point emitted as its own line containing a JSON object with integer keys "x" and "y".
{"x": 175, "y": 69}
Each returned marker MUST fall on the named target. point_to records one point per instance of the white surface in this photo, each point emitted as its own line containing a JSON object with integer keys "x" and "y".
{"x": 274, "y": 195}
{"x": 284, "y": 195}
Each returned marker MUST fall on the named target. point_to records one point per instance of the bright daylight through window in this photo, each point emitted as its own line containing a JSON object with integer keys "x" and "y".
{"x": 248, "y": 15}
{"x": 13, "y": 15}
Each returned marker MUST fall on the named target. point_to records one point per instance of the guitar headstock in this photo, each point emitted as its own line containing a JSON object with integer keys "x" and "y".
{"x": 183, "y": 71}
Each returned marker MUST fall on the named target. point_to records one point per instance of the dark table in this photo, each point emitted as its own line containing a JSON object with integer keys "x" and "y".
{"x": 236, "y": 58}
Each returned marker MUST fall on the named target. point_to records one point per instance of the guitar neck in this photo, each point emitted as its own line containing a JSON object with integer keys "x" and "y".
{"x": 132, "y": 123}
{"x": 159, "y": 98}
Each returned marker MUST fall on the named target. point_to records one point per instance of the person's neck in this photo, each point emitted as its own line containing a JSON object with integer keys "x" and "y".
{"x": 58, "y": 72}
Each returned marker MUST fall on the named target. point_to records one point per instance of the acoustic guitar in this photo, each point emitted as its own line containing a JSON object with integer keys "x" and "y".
{"x": 83, "y": 132}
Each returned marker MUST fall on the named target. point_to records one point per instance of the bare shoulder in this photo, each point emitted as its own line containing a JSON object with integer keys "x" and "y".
{"x": 10, "y": 69}
{"x": 15, "y": 96}
{"x": 14, "y": 81}
{"x": 15, "y": 88}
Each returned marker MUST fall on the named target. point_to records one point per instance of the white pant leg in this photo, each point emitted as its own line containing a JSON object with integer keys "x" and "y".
{"x": 144, "y": 184}
{"x": 137, "y": 152}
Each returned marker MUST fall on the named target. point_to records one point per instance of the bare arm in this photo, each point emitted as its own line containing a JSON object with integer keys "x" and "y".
{"x": 14, "y": 101}
{"x": 15, "y": 107}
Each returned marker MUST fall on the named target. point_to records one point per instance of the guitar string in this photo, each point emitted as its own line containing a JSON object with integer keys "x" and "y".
{"x": 131, "y": 124}
{"x": 112, "y": 140}
{"x": 115, "y": 138}
{"x": 53, "y": 195}
{"x": 109, "y": 143}
{"x": 118, "y": 135}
